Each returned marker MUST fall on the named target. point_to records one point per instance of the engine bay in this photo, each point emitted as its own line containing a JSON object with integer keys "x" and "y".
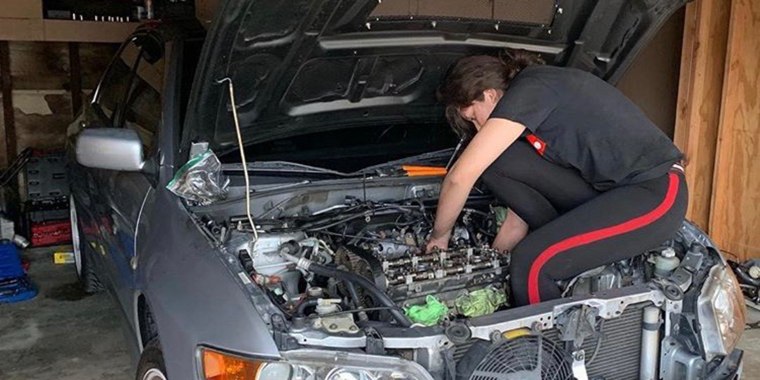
{"x": 363, "y": 261}
{"x": 371, "y": 259}
{"x": 343, "y": 266}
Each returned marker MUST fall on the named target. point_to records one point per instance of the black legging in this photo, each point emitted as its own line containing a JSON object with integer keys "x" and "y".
{"x": 573, "y": 227}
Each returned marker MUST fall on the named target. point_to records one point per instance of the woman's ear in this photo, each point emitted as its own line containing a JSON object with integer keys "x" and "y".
{"x": 492, "y": 95}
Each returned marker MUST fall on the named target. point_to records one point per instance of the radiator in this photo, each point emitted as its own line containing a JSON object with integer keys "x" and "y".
{"x": 619, "y": 352}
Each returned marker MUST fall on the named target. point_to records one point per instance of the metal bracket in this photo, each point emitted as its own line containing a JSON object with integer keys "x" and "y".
{"x": 579, "y": 365}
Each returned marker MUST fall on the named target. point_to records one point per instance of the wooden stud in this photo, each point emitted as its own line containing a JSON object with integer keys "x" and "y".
{"x": 735, "y": 212}
{"x": 703, "y": 57}
{"x": 7, "y": 93}
{"x": 75, "y": 76}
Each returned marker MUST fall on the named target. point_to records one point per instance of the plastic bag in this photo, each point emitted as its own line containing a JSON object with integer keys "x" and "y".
{"x": 481, "y": 302}
{"x": 201, "y": 179}
{"x": 428, "y": 314}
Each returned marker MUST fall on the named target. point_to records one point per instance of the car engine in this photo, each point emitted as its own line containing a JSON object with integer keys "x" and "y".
{"x": 381, "y": 242}
{"x": 369, "y": 256}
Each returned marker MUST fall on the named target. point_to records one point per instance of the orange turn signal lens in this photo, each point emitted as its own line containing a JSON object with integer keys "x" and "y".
{"x": 220, "y": 366}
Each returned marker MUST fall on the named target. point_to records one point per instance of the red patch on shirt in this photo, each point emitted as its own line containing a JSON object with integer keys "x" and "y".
{"x": 537, "y": 144}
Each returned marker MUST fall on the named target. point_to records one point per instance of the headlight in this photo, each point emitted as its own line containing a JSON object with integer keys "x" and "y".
{"x": 310, "y": 365}
{"x": 721, "y": 312}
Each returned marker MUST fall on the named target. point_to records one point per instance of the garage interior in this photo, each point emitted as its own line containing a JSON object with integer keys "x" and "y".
{"x": 698, "y": 79}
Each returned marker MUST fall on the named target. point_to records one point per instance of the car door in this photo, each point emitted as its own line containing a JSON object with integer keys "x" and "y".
{"x": 102, "y": 112}
{"x": 126, "y": 193}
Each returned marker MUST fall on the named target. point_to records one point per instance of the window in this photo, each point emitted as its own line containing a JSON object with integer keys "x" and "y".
{"x": 143, "y": 108}
{"x": 116, "y": 82}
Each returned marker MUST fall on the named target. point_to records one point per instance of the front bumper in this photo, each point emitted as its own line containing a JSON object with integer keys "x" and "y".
{"x": 730, "y": 367}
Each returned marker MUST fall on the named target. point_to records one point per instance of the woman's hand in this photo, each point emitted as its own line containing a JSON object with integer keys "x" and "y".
{"x": 490, "y": 142}
{"x": 441, "y": 242}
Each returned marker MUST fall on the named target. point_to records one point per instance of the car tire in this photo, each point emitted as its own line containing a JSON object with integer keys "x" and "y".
{"x": 151, "y": 365}
{"x": 82, "y": 256}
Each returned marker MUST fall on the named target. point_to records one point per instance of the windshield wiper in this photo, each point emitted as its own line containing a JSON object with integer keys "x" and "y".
{"x": 284, "y": 167}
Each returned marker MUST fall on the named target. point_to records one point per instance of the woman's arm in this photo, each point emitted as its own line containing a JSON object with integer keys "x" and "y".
{"x": 489, "y": 143}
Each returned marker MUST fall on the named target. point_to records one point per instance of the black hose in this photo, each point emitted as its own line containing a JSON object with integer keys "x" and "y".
{"x": 356, "y": 300}
{"x": 352, "y": 292}
{"x": 311, "y": 302}
{"x": 379, "y": 297}
{"x": 744, "y": 276}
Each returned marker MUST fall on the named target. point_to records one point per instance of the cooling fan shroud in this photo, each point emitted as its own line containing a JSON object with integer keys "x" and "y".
{"x": 527, "y": 357}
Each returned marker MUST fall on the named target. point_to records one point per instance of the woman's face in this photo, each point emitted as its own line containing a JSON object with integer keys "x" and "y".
{"x": 479, "y": 111}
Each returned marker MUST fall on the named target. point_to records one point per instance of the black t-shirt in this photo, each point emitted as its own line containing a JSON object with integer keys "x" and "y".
{"x": 577, "y": 120}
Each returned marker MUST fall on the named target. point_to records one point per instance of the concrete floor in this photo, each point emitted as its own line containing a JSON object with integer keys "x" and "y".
{"x": 65, "y": 334}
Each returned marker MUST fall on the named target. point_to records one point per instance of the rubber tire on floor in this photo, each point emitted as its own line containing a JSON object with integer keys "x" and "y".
{"x": 152, "y": 358}
{"x": 87, "y": 276}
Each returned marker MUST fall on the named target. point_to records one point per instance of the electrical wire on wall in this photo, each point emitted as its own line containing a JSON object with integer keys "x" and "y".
{"x": 233, "y": 105}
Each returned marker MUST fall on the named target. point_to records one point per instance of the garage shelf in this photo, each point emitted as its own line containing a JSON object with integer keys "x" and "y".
{"x": 64, "y": 30}
{"x": 22, "y": 21}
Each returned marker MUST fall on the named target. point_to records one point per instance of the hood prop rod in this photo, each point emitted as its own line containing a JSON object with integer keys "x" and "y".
{"x": 233, "y": 105}
{"x": 454, "y": 154}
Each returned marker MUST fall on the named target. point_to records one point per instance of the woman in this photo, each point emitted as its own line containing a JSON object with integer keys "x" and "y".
{"x": 588, "y": 179}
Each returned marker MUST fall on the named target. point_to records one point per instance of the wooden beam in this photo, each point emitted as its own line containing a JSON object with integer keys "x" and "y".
{"x": 75, "y": 76}
{"x": 735, "y": 213}
{"x": 703, "y": 56}
{"x": 87, "y": 31}
{"x": 7, "y": 93}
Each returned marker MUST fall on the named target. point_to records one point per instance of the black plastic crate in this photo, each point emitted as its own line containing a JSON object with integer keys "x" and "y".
{"x": 44, "y": 210}
{"x": 46, "y": 177}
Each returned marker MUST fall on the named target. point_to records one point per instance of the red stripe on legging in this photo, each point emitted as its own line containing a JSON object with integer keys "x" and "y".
{"x": 596, "y": 235}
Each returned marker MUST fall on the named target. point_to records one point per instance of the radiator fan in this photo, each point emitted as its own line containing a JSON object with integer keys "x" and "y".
{"x": 529, "y": 357}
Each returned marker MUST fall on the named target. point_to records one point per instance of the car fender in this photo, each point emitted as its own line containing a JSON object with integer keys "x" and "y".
{"x": 194, "y": 297}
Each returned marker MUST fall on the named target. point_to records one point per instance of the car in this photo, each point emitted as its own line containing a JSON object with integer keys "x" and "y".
{"x": 256, "y": 199}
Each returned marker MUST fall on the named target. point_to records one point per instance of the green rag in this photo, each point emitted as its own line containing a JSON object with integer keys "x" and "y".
{"x": 428, "y": 314}
{"x": 480, "y": 302}
{"x": 501, "y": 215}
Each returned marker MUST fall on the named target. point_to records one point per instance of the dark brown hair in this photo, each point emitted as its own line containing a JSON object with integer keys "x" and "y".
{"x": 470, "y": 76}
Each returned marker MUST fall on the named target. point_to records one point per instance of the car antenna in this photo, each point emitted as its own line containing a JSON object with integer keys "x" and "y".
{"x": 456, "y": 150}
{"x": 233, "y": 105}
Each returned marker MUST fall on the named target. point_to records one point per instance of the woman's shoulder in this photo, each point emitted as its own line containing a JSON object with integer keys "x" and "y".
{"x": 551, "y": 71}
{"x": 559, "y": 78}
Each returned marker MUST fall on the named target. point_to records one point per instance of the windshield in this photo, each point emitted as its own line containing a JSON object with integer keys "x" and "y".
{"x": 350, "y": 149}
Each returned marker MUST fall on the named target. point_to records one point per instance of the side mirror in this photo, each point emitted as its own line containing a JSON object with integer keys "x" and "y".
{"x": 110, "y": 148}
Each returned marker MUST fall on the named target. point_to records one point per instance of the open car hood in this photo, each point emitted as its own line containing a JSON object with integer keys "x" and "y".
{"x": 319, "y": 65}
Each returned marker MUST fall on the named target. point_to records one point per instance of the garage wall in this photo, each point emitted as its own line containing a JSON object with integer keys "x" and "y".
{"x": 718, "y": 123}
{"x": 735, "y": 207}
{"x": 652, "y": 80}
{"x": 41, "y": 77}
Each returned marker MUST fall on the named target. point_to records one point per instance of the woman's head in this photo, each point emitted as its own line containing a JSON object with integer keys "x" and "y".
{"x": 475, "y": 84}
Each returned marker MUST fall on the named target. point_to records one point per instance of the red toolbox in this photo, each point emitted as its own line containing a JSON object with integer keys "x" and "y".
{"x": 51, "y": 233}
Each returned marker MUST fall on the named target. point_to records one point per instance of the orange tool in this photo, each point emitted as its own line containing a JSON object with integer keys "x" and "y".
{"x": 417, "y": 171}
